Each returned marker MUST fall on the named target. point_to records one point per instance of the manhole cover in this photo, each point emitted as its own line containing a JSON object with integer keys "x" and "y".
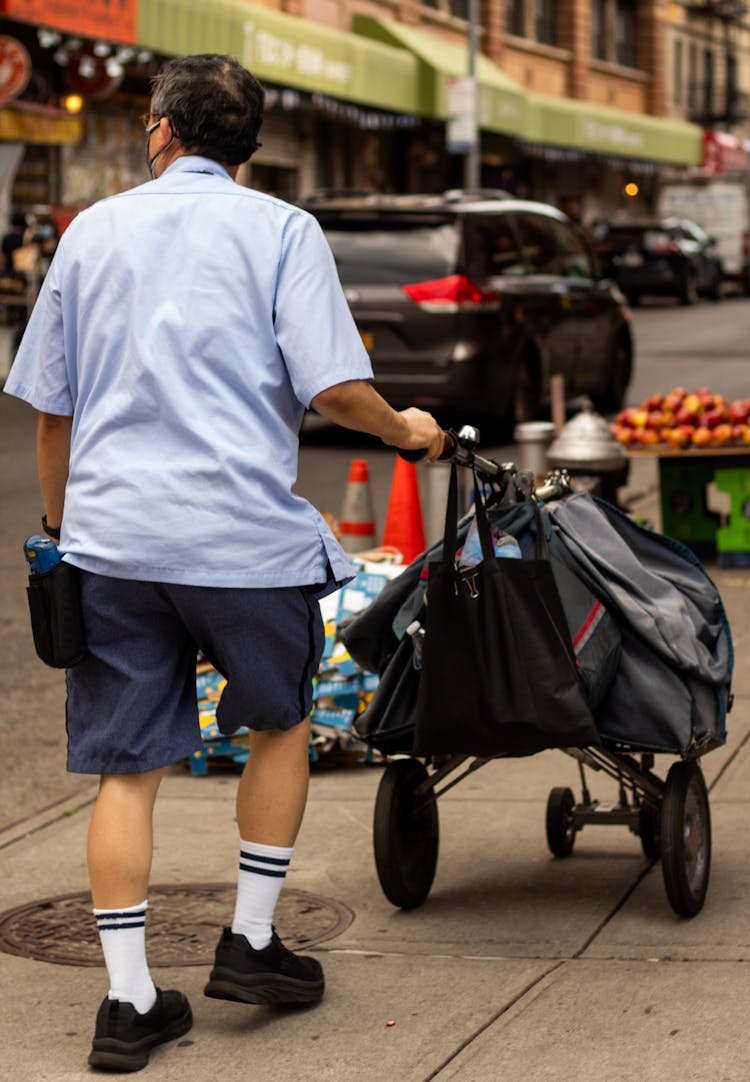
{"x": 182, "y": 928}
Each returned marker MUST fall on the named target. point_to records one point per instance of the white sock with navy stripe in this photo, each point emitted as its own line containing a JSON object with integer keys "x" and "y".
{"x": 123, "y": 936}
{"x": 261, "y": 877}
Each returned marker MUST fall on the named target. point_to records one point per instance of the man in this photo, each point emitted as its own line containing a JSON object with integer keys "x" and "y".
{"x": 181, "y": 331}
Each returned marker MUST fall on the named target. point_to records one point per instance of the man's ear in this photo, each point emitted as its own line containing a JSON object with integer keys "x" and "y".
{"x": 165, "y": 130}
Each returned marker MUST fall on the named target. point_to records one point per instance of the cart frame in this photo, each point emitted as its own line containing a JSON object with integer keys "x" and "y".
{"x": 670, "y": 816}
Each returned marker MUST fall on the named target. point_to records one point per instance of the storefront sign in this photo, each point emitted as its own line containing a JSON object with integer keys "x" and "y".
{"x": 15, "y": 68}
{"x": 280, "y": 54}
{"x": 614, "y": 136}
{"x": 724, "y": 153}
{"x": 113, "y": 19}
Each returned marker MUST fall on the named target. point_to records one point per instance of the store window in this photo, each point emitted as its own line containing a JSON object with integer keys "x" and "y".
{"x": 545, "y": 21}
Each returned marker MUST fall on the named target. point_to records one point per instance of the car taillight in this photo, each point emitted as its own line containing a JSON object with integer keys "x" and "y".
{"x": 457, "y": 293}
{"x": 669, "y": 246}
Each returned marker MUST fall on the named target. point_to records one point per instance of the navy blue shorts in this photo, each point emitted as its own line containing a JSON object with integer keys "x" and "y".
{"x": 132, "y": 702}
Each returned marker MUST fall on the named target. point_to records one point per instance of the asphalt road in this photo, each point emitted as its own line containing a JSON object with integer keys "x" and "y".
{"x": 708, "y": 344}
{"x": 705, "y": 345}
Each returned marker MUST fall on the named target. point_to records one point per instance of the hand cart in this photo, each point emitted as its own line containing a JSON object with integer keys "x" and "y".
{"x": 671, "y": 816}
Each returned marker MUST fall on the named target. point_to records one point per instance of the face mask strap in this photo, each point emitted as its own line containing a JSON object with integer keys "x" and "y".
{"x": 150, "y": 162}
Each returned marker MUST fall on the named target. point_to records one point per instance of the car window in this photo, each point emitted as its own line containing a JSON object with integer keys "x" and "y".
{"x": 373, "y": 253}
{"x": 576, "y": 260}
{"x": 491, "y": 249}
{"x": 551, "y": 247}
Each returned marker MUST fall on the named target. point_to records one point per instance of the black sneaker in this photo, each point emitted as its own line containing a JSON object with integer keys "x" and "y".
{"x": 123, "y": 1038}
{"x": 271, "y": 975}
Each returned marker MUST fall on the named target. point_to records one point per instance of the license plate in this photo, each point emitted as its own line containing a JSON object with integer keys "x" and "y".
{"x": 632, "y": 259}
{"x": 367, "y": 339}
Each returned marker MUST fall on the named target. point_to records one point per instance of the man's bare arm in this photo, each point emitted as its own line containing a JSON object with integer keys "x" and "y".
{"x": 53, "y": 458}
{"x": 356, "y": 404}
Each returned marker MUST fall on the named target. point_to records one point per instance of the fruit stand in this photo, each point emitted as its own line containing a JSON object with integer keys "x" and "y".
{"x": 699, "y": 440}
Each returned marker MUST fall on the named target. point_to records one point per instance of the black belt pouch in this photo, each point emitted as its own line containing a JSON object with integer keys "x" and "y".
{"x": 56, "y": 617}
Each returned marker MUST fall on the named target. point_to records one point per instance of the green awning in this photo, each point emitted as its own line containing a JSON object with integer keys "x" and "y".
{"x": 284, "y": 49}
{"x": 500, "y": 101}
{"x": 598, "y": 129}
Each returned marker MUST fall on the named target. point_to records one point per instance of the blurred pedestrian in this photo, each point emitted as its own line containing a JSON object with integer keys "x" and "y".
{"x": 181, "y": 331}
{"x": 14, "y": 239}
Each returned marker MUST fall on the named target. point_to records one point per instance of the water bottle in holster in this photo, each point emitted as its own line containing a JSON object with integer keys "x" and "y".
{"x": 54, "y": 594}
{"x": 41, "y": 553}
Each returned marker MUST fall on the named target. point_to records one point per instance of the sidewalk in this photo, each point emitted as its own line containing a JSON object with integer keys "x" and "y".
{"x": 518, "y": 967}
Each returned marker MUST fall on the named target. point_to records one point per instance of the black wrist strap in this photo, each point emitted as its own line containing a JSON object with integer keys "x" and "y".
{"x": 51, "y": 531}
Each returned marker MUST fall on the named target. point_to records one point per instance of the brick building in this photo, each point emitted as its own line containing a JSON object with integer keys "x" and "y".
{"x": 574, "y": 98}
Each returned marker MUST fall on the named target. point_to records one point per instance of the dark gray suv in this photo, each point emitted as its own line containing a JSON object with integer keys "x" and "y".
{"x": 468, "y": 303}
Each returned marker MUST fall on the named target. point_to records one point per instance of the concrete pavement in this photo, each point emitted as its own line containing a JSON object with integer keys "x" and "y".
{"x": 519, "y": 966}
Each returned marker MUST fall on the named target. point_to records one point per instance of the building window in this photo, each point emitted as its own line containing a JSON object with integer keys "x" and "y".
{"x": 515, "y": 18}
{"x": 458, "y": 8}
{"x": 677, "y": 76}
{"x": 625, "y": 34}
{"x": 692, "y": 77}
{"x": 709, "y": 79}
{"x": 544, "y": 20}
{"x": 599, "y": 29}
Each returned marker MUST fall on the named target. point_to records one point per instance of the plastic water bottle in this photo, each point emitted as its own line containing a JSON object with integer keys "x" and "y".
{"x": 41, "y": 553}
{"x": 503, "y": 543}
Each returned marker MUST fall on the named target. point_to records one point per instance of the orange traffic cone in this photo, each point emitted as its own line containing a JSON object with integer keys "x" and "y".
{"x": 357, "y": 519}
{"x": 403, "y": 522}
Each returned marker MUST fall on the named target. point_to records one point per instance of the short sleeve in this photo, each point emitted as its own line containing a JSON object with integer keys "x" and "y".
{"x": 39, "y": 374}
{"x": 315, "y": 330}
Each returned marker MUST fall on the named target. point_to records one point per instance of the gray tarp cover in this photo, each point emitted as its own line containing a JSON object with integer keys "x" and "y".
{"x": 672, "y": 686}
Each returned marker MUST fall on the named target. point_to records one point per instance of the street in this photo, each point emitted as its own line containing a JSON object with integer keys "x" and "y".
{"x": 707, "y": 344}
{"x": 519, "y": 965}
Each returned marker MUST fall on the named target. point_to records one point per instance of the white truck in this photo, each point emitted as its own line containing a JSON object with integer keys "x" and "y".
{"x": 721, "y": 207}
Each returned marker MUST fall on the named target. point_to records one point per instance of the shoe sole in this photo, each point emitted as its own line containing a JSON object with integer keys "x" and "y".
{"x": 268, "y": 988}
{"x": 111, "y": 1054}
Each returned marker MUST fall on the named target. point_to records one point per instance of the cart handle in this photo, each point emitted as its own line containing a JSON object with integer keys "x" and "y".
{"x": 460, "y": 447}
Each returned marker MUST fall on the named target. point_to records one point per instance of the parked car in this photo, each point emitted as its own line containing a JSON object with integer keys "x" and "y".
{"x": 467, "y": 303}
{"x": 659, "y": 256}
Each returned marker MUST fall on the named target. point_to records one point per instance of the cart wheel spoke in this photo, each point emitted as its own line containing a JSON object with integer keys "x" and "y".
{"x": 561, "y": 825}
{"x": 405, "y": 834}
{"x": 686, "y": 839}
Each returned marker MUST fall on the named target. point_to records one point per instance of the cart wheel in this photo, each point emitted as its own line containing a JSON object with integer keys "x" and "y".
{"x": 685, "y": 838}
{"x": 561, "y": 826}
{"x": 405, "y": 834}
{"x": 649, "y": 830}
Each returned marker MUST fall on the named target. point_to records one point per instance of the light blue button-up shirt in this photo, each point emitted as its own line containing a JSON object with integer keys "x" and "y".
{"x": 185, "y": 325}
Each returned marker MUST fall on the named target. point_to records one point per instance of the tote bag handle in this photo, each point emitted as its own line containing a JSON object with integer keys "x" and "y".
{"x": 541, "y": 549}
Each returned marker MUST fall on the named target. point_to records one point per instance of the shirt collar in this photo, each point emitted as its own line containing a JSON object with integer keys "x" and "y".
{"x": 195, "y": 163}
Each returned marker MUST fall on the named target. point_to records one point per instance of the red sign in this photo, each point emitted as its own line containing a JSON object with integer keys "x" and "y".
{"x": 15, "y": 68}
{"x": 723, "y": 153}
{"x": 112, "y": 19}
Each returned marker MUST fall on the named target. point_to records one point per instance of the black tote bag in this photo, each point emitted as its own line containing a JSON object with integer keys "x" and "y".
{"x": 498, "y": 672}
{"x": 387, "y": 723}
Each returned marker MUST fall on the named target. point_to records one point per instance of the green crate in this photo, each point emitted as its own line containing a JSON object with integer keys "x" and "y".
{"x": 684, "y": 514}
{"x": 733, "y": 540}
